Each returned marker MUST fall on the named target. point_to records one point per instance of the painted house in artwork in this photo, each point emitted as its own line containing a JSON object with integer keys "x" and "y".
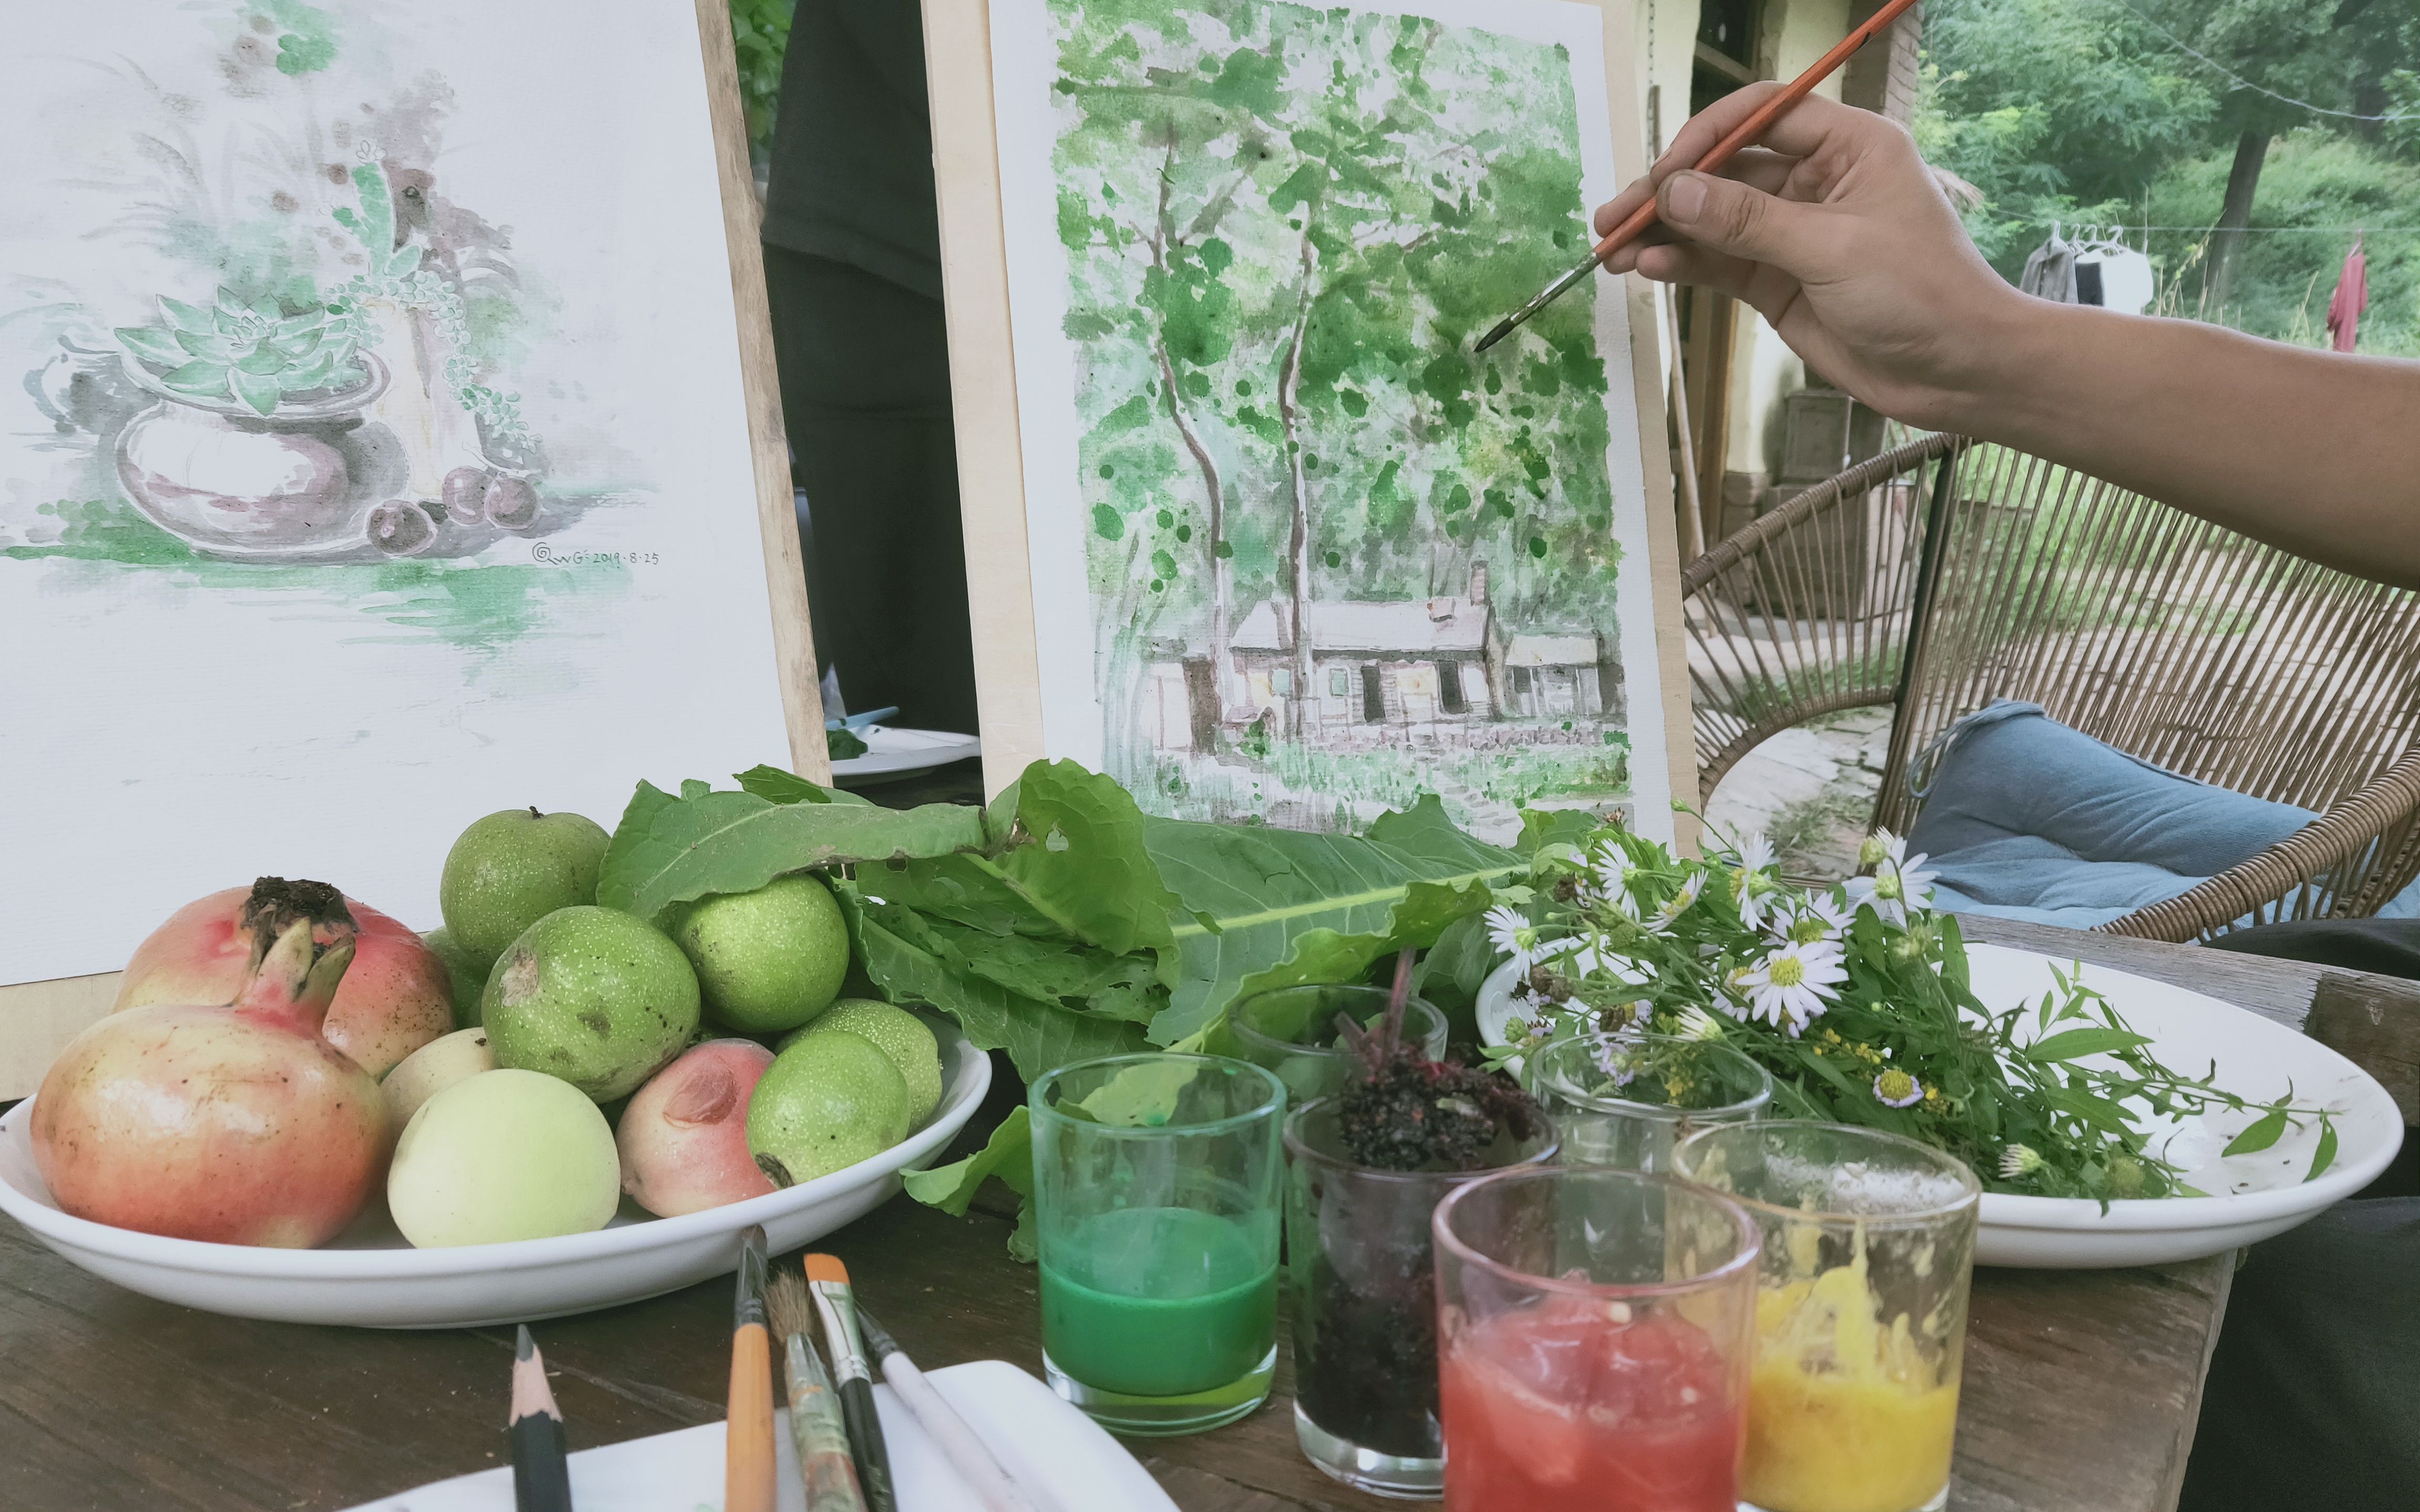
{"x": 1436, "y": 666}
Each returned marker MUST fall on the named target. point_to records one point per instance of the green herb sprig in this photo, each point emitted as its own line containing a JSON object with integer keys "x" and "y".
{"x": 1856, "y": 999}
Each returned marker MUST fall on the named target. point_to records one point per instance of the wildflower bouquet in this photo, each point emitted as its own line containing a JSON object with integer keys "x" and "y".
{"x": 1856, "y": 998}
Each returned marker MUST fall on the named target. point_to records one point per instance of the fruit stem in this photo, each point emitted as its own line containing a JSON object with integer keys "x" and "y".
{"x": 296, "y": 978}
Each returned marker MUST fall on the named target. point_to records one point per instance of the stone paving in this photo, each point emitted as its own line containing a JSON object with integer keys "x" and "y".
{"x": 1811, "y": 789}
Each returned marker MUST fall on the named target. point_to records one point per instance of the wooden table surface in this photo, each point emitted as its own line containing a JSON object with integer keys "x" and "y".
{"x": 2081, "y": 1389}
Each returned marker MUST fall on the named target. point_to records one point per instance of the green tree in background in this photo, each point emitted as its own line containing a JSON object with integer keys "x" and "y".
{"x": 760, "y": 30}
{"x": 2100, "y": 111}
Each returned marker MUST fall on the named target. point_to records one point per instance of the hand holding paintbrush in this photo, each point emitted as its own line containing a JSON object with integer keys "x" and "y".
{"x": 1642, "y": 218}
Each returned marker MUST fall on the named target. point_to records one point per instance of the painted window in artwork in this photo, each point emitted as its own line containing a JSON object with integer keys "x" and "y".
{"x": 1340, "y": 683}
{"x": 1450, "y": 689}
{"x": 1281, "y": 682}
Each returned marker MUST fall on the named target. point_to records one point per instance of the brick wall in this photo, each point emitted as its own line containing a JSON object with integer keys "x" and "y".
{"x": 1881, "y": 77}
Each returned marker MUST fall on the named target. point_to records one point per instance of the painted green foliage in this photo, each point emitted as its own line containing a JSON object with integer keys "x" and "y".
{"x": 1284, "y": 228}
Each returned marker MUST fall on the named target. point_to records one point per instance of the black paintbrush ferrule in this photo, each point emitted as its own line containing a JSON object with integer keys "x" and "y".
{"x": 865, "y": 1446}
{"x": 748, "y": 1302}
{"x": 541, "y": 1475}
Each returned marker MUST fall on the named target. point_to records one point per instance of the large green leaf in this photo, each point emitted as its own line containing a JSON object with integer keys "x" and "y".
{"x": 671, "y": 850}
{"x": 778, "y": 786}
{"x": 1086, "y": 867}
{"x": 1273, "y": 908}
{"x": 913, "y": 963}
{"x": 1009, "y": 1156}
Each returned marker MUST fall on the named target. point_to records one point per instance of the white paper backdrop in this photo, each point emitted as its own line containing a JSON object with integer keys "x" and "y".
{"x": 170, "y": 725}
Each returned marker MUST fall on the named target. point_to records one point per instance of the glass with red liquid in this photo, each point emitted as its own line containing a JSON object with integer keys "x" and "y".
{"x": 1594, "y": 1330}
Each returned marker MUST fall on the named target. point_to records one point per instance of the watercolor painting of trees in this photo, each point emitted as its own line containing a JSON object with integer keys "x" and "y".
{"x": 1335, "y": 559}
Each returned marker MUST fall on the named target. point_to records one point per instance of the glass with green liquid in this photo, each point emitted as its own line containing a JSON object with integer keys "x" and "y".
{"x": 1157, "y": 1181}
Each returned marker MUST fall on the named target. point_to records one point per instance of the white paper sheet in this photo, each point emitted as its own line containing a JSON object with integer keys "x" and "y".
{"x": 1119, "y": 706}
{"x": 171, "y": 724}
{"x": 1053, "y": 1450}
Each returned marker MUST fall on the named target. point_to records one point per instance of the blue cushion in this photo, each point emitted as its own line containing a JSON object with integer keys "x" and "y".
{"x": 2028, "y": 819}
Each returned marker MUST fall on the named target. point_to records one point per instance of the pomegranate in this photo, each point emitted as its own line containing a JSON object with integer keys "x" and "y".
{"x": 237, "y": 1124}
{"x": 395, "y": 996}
{"x": 684, "y": 1135}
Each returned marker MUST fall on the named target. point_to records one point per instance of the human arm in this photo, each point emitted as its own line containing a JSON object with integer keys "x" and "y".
{"x": 1839, "y": 235}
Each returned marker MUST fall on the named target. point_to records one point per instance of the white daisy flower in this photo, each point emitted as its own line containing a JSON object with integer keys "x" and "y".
{"x": 1811, "y": 917}
{"x": 1668, "y": 912}
{"x": 1896, "y": 886}
{"x": 2018, "y": 1162}
{"x": 1793, "y": 984}
{"x": 1753, "y": 880}
{"x": 1697, "y": 1023}
{"x": 1898, "y": 1089}
{"x": 1513, "y": 934}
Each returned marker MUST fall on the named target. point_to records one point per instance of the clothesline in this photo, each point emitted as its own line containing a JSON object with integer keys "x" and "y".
{"x": 2212, "y": 230}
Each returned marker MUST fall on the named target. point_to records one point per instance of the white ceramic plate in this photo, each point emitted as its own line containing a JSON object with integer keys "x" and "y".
{"x": 370, "y": 1278}
{"x": 2257, "y": 1197}
{"x": 893, "y": 753}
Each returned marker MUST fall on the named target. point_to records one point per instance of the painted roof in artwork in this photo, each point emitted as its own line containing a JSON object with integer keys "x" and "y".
{"x": 1413, "y": 625}
{"x": 1551, "y": 651}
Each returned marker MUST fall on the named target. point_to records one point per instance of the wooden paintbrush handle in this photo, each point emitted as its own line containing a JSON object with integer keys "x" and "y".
{"x": 748, "y": 1435}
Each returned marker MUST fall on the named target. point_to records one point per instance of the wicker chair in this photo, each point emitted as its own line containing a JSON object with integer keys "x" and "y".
{"x": 1946, "y": 572}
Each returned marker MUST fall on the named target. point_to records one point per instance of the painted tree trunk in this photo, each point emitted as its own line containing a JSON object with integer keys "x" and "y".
{"x": 437, "y": 434}
{"x": 1298, "y": 540}
{"x": 1216, "y": 510}
{"x": 2234, "y": 213}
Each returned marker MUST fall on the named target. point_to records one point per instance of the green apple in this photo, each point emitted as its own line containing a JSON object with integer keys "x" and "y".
{"x": 769, "y": 960}
{"x": 512, "y": 869}
{"x": 895, "y": 1033}
{"x": 465, "y": 974}
{"x": 593, "y": 996}
{"x": 829, "y": 1101}
{"x": 500, "y": 1156}
{"x": 431, "y": 1068}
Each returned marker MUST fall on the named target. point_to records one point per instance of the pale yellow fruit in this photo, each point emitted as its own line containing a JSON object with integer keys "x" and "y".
{"x": 504, "y": 1155}
{"x": 431, "y": 1068}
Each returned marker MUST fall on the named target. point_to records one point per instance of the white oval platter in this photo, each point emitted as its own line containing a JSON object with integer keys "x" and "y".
{"x": 2253, "y": 1196}
{"x": 369, "y": 1277}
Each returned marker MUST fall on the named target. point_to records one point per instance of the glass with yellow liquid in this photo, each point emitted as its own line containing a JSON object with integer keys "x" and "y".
{"x": 1861, "y": 1311}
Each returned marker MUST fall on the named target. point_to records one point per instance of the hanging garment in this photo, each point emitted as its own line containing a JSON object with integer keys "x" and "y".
{"x": 2350, "y": 300}
{"x": 2050, "y": 272}
{"x": 2122, "y": 276}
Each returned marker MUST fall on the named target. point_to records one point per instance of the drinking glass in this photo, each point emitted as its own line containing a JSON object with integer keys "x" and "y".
{"x": 1293, "y": 1032}
{"x": 1359, "y": 1270}
{"x": 1626, "y": 1100}
{"x": 1861, "y": 1311}
{"x": 1594, "y": 1331}
{"x": 1156, "y": 1206}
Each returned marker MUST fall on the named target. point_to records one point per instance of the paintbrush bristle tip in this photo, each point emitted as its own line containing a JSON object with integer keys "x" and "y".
{"x": 1502, "y": 331}
{"x": 827, "y": 1269}
{"x": 523, "y": 1346}
{"x": 793, "y": 1311}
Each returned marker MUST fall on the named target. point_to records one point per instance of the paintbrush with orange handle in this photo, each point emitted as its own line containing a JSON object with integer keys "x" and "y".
{"x": 1720, "y": 153}
{"x": 748, "y": 1460}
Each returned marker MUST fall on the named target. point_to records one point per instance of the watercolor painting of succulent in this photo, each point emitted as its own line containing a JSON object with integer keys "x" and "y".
{"x": 1297, "y": 553}
{"x": 344, "y": 350}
